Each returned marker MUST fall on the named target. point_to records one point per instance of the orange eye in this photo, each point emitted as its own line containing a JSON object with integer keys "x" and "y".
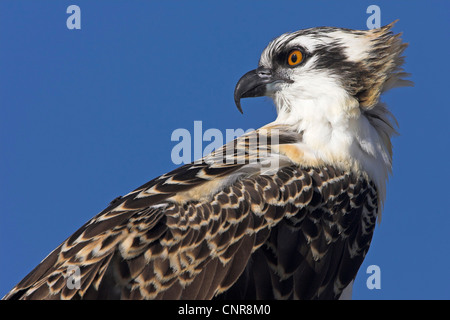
{"x": 295, "y": 57}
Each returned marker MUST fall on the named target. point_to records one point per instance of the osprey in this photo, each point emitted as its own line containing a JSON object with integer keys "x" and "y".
{"x": 284, "y": 212}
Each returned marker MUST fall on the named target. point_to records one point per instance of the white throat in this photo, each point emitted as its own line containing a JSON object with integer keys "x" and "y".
{"x": 336, "y": 132}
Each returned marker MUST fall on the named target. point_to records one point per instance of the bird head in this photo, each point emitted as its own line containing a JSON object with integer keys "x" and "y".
{"x": 326, "y": 83}
{"x": 357, "y": 65}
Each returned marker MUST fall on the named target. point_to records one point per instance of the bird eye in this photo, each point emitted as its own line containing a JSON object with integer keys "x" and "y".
{"x": 295, "y": 57}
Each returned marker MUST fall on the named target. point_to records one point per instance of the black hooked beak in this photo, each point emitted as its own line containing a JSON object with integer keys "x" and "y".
{"x": 254, "y": 84}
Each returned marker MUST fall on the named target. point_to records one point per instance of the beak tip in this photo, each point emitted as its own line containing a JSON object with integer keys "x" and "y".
{"x": 252, "y": 84}
{"x": 238, "y": 105}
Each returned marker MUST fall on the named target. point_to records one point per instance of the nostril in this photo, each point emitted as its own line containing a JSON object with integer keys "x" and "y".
{"x": 263, "y": 72}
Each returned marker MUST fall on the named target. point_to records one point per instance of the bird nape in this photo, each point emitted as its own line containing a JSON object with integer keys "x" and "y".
{"x": 284, "y": 212}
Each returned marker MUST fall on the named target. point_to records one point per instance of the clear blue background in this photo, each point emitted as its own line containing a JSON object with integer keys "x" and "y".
{"x": 87, "y": 115}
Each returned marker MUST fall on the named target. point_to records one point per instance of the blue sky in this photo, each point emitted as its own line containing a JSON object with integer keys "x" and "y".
{"x": 87, "y": 115}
